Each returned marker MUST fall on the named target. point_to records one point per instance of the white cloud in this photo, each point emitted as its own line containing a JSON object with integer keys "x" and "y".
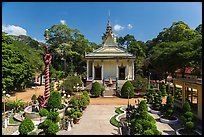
{"x": 62, "y": 21}
{"x": 129, "y": 26}
{"x": 14, "y": 30}
{"x": 118, "y": 27}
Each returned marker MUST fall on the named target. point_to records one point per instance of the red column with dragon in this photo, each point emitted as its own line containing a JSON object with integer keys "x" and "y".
{"x": 43, "y": 100}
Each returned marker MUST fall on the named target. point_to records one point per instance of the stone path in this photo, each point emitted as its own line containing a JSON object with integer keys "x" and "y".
{"x": 95, "y": 121}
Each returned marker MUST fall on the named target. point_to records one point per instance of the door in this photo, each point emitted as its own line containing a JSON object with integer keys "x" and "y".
{"x": 121, "y": 73}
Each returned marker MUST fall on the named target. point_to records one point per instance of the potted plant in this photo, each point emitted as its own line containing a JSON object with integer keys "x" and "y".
{"x": 188, "y": 124}
{"x": 167, "y": 112}
{"x": 76, "y": 116}
{"x": 157, "y": 103}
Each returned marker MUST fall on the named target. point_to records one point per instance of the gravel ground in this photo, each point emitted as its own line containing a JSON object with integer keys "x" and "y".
{"x": 9, "y": 130}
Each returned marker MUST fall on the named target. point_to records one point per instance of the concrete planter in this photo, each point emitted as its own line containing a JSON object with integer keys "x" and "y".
{"x": 154, "y": 111}
{"x": 178, "y": 132}
{"x": 163, "y": 120}
{"x": 149, "y": 107}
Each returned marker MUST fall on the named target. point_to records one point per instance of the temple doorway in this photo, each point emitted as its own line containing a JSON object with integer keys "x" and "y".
{"x": 121, "y": 73}
{"x": 98, "y": 73}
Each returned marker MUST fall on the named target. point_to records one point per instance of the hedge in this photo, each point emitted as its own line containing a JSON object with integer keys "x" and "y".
{"x": 124, "y": 90}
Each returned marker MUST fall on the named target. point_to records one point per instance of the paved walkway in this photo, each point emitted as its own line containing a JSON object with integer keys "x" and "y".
{"x": 95, "y": 121}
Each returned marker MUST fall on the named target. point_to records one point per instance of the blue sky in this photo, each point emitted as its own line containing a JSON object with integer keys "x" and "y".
{"x": 144, "y": 20}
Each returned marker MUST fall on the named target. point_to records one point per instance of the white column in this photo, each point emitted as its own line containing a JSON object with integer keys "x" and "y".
{"x": 127, "y": 66}
{"x": 117, "y": 70}
{"x": 133, "y": 76}
{"x": 87, "y": 67}
{"x": 93, "y": 71}
{"x": 102, "y": 71}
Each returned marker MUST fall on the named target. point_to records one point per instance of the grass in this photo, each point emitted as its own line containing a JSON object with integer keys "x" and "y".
{"x": 113, "y": 120}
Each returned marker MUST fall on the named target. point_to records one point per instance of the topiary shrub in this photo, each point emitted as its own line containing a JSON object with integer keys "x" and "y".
{"x": 167, "y": 109}
{"x": 163, "y": 90}
{"x": 52, "y": 129}
{"x": 187, "y": 117}
{"x": 43, "y": 112}
{"x": 54, "y": 116}
{"x": 124, "y": 91}
{"x": 26, "y": 126}
{"x": 150, "y": 93}
{"x": 157, "y": 103}
{"x": 142, "y": 107}
{"x": 34, "y": 99}
{"x": 186, "y": 107}
{"x": 96, "y": 89}
{"x": 54, "y": 100}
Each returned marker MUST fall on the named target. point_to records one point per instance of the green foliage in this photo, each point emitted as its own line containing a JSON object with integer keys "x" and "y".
{"x": 140, "y": 83}
{"x": 178, "y": 93}
{"x": 150, "y": 93}
{"x": 54, "y": 100}
{"x": 33, "y": 133}
{"x": 43, "y": 112}
{"x": 96, "y": 89}
{"x": 177, "y": 45}
{"x": 189, "y": 125}
{"x": 148, "y": 132}
{"x": 16, "y": 70}
{"x": 26, "y": 126}
{"x": 167, "y": 109}
{"x": 70, "y": 82}
{"x": 52, "y": 129}
{"x": 187, "y": 117}
{"x": 34, "y": 99}
{"x": 124, "y": 91}
{"x": 157, "y": 103}
{"x": 163, "y": 90}
{"x": 54, "y": 116}
{"x": 142, "y": 106}
{"x": 186, "y": 107}
{"x": 16, "y": 105}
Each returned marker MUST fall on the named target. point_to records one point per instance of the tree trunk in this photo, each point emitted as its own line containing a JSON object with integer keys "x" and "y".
{"x": 183, "y": 72}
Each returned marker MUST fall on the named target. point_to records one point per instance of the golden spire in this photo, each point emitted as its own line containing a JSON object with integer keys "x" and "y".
{"x": 109, "y": 28}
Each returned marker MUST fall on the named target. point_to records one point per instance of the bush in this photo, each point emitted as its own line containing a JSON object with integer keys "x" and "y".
{"x": 43, "y": 112}
{"x": 142, "y": 107}
{"x": 34, "y": 99}
{"x": 54, "y": 100}
{"x": 96, "y": 89}
{"x": 124, "y": 91}
{"x": 140, "y": 83}
{"x": 163, "y": 90}
{"x": 157, "y": 103}
{"x": 148, "y": 132}
{"x": 86, "y": 95}
{"x": 70, "y": 82}
{"x": 189, "y": 125}
{"x": 52, "y": 129}
{"x": 187, "y": 117}
{"x": 54, "y": 116}
{"x": 26, "y": 126}
{"x": 150, "y": 93}
{"x": 186, "y": 107}
{"x": 167, "y": 109}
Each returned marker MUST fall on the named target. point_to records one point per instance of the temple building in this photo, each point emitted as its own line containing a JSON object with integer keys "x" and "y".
{"x": 110, "y": 61}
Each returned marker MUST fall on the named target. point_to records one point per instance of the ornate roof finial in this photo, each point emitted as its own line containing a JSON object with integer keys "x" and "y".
{"x": 109, "y": 28}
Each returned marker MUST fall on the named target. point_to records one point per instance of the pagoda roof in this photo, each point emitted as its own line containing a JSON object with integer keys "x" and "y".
{"x": 110, "y": 48}
{"x": 109, "y": 52}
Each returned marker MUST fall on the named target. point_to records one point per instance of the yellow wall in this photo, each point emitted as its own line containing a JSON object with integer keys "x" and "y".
{"x": 194, "y": 86}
